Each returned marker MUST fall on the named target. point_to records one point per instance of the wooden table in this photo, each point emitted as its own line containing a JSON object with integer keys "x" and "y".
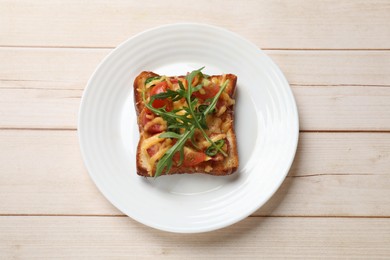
{"x": 335, "y": 201}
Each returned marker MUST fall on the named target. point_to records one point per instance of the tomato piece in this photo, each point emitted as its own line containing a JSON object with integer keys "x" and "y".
{"x": 161, "y": 87}
{"x": 220, "y": 103}
{"x": 146, "y": 116}
{"x": 155, "y": 129}
{"x": 152, "y": 150}
{"x": 147, "y": 110}
{"x": 191, "y": 157}
{"x": 174, "y": 81}
{"x": 168, "y": 105}
{"x": 207, "y": 92}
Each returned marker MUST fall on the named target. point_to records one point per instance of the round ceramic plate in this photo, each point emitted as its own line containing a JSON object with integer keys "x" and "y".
{"x": 266, "y": 123}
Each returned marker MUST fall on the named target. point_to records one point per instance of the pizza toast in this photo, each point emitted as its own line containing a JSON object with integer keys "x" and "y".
{"x": 186, "y": 124}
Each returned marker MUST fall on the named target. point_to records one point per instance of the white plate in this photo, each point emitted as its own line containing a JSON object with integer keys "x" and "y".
{"x": 266, "y": 128}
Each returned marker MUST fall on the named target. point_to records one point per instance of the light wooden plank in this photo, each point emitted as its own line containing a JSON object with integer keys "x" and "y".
{"x": 322, "y": 106}
{"x": 343, "y": 107}
{"x": 44, "y": 169}
{"x": 345, "y": 195}
{"x": 334, "y": 174}
{"x": 300, "y": 67}
{"x": 342, "y": 153}
{"x": 117, "y": 237}
{"x": 39, "y": 108}
{"x": 51, "y": 65}
{"x": 39, "y": 104}
{"x": 334, "y": 67}
{"x": 331, "y": 24}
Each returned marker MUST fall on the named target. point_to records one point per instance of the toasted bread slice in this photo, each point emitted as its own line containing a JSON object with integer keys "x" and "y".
{"x": 220, "y": 126}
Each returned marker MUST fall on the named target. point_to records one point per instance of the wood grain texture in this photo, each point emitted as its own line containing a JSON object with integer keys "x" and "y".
{"x": 39, "y": 104}
{"x": 334, "y": 174}
{"x": 334, "y": 67}
{"x": 343, "y": 108}
{"x": 75, "y": 65}
{"x": 335, "y": 201}
{"x": 39, "y": 108}
{"x": 44, "y": 169}
{"x": 49, "y": 65}
{"x": 116, "y": 237}
{"x": 41, "y": 88}
{"x": 298, "y": 24}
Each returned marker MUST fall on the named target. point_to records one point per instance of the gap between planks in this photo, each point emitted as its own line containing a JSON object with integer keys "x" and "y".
{"x": 113, "y": 47}
{"x": 345, "y": 131}
{"x": 301, "y": 131}
{"x": 294, "y": 85}
{"x": 250, "y": 216}
{"x": 327, "y": 85}
{"x": 38, "y": 129}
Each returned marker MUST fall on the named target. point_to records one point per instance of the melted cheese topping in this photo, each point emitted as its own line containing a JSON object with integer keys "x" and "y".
{"x": 227, "y": 124}
{"x": 162, "y": 149}
{"x": 149, "y": 142}
{"x": 217, "y": 128}
{"x": 227, "y": 102}
{"x": 163, "y": 145}
{"x": 214, "y": 123}
{"x": 206, "y": 144}
{"x": 208, "y": 168}
{"x": 179, "y": 104}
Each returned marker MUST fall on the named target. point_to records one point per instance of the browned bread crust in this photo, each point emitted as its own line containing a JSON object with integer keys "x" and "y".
{"x": 226, "y": 166}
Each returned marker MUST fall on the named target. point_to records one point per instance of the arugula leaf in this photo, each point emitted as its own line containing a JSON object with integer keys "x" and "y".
{"x": 181, "y": 85}
{"x": 197, "y": 123}
{"x": 148, "y": 80}
{"x": 174, "y": 95}
{"x": 182, "y": 125}
{"x": 197, "y": 88}
{"x": 203, "y": 108}
{"x": 215, "y": 99}
{"x": 211, "y": 151}
{"x": 165, "y": 163}
{"x": 169, "y": 135}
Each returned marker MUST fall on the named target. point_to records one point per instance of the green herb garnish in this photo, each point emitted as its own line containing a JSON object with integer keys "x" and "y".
{"x": 194, "y": 117}
{"x": 148, "y": 80}
{"x": 211, "y": 151}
